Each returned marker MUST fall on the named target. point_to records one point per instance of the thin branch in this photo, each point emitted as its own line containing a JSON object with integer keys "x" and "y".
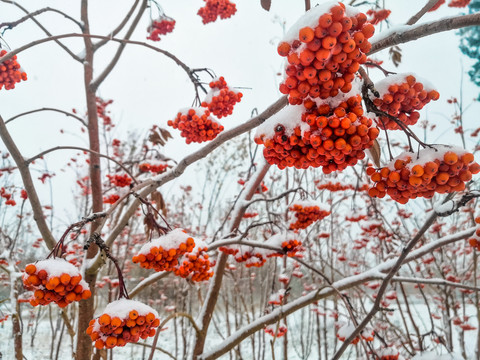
{"x": 147, "y": 282}
{"x": 118, "y": 28}
{"x": 64, "y": 47}
{"x": 48, "y": 109}
{"x": 419, "y": 31}
{"x": 96, "y": 83}
{"x": 430, "y": 4}
{"x": 37, "y": 209}
{"x": 56, "y": 148}
{"x": 456, "y": 205}
{"x": 440, "y": 282}
{"x": 11, "y": 25}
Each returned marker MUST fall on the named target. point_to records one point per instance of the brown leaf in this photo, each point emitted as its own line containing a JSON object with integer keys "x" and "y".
{"x": 156, "y": 138}
{"x": 396, "y": 55}
{"x": 157, "y": 197}
{"x": 165, "y": 134}
{"x": 266, "y": 4}
{"x": 374, "y": 153}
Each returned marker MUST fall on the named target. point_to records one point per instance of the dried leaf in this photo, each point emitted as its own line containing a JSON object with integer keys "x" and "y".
{"x": 149, "y": 221}
{"x": 157, "y": 197}
{"x": 165, "y": 134}
{"x": 396, "y": 55}
{"x": 156, "y": 138}
{"x": 266, "y": 4}
{"x": 374, "y": 153}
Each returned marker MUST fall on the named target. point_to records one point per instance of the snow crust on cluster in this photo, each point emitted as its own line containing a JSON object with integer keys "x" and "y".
{"x": 426, "y": 155}
{"x": 277, "y": 240}
{"x": 310, "y": 18}
{"x": 122, "y": 307}
{"x": 345, "y": 330}
{"x": 55, "y": 267}
{"x": 383, "y": 85}
{"x": 216, "y": 91}
{"x": 290, "y": 116}
{"x": 171, "y": 240}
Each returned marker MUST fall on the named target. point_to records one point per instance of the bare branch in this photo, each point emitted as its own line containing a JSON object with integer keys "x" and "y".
{"x": 64, "y": 47}
{"x": 56, "y": 148}
{"x": 29, "y": 187}
{"x": 48, "y": 109}
{"x": 147, "y": 282}
{"x": 12, "y": 24}
{"x": 414, "y": 19}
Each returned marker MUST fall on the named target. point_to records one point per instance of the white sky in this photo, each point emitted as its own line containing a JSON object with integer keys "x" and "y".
{"x": 148, "y": 89}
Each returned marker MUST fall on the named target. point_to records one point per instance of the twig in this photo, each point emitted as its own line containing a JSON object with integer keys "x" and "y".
{"x": 11, "y": 25}
{"x": 48, "y": 109}
{"x": 430, "y": 4}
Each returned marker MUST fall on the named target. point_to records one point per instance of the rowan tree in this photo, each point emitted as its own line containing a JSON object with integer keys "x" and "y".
{"x": 320, "y": 226}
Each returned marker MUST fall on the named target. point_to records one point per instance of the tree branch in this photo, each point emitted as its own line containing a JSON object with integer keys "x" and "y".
{"x": 48, "y": 109}
{"x": 430, "y": 4}
{"x": 10, "y": 25}
{"x": 22, "y": 165}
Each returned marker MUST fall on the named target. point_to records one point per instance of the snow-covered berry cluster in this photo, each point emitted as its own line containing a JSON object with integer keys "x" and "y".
{"x": 442, "y": 169}
{"x": 215, "y": 8}
{"x": 306, "y": 213}
{"x": 160, "y": 26}
{"x": 123, "y": 321}
{"x": 54, "y": 280}
{"x": 196, "y": 125}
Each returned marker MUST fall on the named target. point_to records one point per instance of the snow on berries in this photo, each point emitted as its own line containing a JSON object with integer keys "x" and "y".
{"x": 306, "y": 213}
{"x": 324, "y": 50}
{"x": 388, "y": 354}
{"x": 123, "y": 321}
{"x": 402, "y": 96}
{"x": 163, "y": 253}
{"x": 440, "y": 169}
{"x": 276, "y": 332}
{"x": 54, "y": 280}
{"x": 195, "y": 265}
{"x": 10, "y": 72}
{"x": 215, "y": 8}
{"x": 160, "y": 26}
{"x": 221, "y": 99}
{"x": 332, "y": 135}
{"x": 196, "y": 125}
{"x": 177, "y": 252}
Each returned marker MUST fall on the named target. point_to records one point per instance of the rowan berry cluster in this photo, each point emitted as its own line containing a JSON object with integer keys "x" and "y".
{"x": 8, "y": 197}
{"x": 123, "y": 321}
{"x": 452, "y": 3}
{"x": 323, "y": 59}
{"x": 328, "y": 137}
{"x": 377, "y": 16}
{"x": 474, "y": 241}
{"x": 102, "y": 112}
{"x": 272, "y": 330}
{"x": 215, "y": 8}
{"x": 120, "y": 180}
{"x": 337, "y": 186}
{"x": 442, "y": 169}
{"x": 388, "y": 354}
{"x": 10, "y": 72}
{"x": 154, "y": 168}
{"x": 163, "y": 253}
{"x": 196, "y": 125}
{"x": 221, "y": 99}
{"x": 160, "y": 26}
{"x": 402, "y": 96}
{"x": 111, "y": 199}
{"x": 54, "y": 280}
{"x": 345, "y": 330}
{"x": 306, "y": 214}
{"x": 196, "y": 265}
{"x": 277, "y": 298}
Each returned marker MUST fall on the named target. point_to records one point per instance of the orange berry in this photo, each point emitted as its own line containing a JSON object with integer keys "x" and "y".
{"x": 30, "y": 269}
{"x": 104, "y": 319}
{"x": 325, "y": 20}
{"x": 283, "y": 48}
{"x": 394, "y": 177}
{"x": 306, "y": 34}
{"x": 450, "y": 158}
{"x": 134, "y": 313}
{"x": 442, "y": 178}
{"x": 99, "y": 344}
{"x": 467, "y": 158}
{"x": 417, "y": 170}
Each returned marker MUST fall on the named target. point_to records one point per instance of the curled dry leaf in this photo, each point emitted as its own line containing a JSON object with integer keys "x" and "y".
{"x": 266, "y": 4}
{"x": 374, "y": 153}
